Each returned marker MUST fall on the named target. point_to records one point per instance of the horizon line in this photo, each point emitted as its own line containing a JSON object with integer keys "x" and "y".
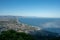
{"x": 30, "y": 16}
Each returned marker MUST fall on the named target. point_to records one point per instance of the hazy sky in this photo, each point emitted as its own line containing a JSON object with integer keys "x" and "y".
{"x": 38, "y": 8}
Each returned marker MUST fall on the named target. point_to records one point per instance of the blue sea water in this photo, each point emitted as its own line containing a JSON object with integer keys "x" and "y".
{"x": 37, "y": 21}
{"x": 53, "y": 23}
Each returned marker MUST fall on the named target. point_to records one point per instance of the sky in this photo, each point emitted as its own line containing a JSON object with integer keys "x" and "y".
{"x": 36, "y": 8}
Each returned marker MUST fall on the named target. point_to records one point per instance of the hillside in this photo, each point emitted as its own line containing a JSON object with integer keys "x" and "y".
{"x": 13, "y": 35}
{"x": 12, "y": 23}
{"x": 7, "y": 23}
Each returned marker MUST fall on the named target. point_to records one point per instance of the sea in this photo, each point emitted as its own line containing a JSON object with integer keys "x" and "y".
{"x": 50, "y": 24}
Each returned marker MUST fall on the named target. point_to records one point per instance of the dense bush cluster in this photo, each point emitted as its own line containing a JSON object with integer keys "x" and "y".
{"x": 13, "y": 35}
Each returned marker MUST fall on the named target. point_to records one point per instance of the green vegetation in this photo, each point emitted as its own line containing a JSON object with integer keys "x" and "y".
{"x": 13, "y": 35}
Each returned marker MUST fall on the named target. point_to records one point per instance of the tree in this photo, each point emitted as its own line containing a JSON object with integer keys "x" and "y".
{"x": 13, "y": 35}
